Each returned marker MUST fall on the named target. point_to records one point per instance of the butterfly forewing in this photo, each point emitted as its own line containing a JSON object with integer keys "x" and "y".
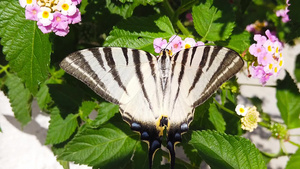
{"x": 123, "y": 76}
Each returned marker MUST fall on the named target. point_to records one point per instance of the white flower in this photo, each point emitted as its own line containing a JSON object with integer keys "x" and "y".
{"x": 188, "y": 43}
{"x": 24, "y": 3}
{"x": 45, "y": 16}
{"x": 241, "y": 110}
{"x": 66, "y": 7}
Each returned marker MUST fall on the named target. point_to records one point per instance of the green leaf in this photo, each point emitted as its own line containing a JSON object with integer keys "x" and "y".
{"x": 43, "y": 96}
{"x": 213, "y": 20}
{"x": 126, "y": 7}
{"x": 294, "y": 161}
{"x": 105, "y": 112}
{"x": 20, "y": 99}
{"x": 86, "y": 108}
{"x": 26, "y": 48}
{"x": 127, "y": 34}
{"x": 110, "y": 146}
{"x": 225, "y": 151}
{"x": 60, "y": 128}
{"x": 216, "y": 118}
{"x": 288, "y": 99}
{"x": 238, "y": 41}
{"x": 66, "y": 97}
{"x": 190, "y": 151}
{"x": 297, "y": 68}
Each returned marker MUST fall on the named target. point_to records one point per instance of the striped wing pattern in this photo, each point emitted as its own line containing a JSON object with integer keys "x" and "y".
{"x": 155, "y": 93}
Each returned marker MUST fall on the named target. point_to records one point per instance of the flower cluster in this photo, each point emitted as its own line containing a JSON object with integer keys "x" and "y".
{"x": 268, "y": 53}
{"x": 52, "y": 15}
{"x": 250, "y": 117}
{"x": 175, "y": 44}
{"x": 283, "y": 13}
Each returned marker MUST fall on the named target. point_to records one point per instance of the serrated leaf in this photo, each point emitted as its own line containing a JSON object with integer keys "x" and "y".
{"x": 294, "y": 161}
{"x": 288, "y": 99}
{"x": 20, "y": 99}
{"x": 216, "y": 118}
{"x": 105, "y": 112}
{"x": 26, "y": 48}
{"x": 86, "y": 108}
{"x": 190, "y": 151}
{"x": 110, "y": 146}
{"x": 213, "y": 20}
{"x": 126, "y": 7}
{"x": 127, "y": 34}
{"x": 225, "y": 151}
{"x": 60, "y": 128}
{"x": 43, "y": 96}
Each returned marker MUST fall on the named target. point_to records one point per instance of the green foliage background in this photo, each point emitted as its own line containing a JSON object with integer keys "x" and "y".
{"x": 30, "y": 72}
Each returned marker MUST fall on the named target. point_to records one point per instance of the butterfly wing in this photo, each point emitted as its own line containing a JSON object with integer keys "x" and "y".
{"x": 196, "y": 74}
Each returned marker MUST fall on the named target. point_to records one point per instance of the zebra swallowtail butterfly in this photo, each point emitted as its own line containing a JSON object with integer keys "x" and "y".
{"x": 155, "y": 93}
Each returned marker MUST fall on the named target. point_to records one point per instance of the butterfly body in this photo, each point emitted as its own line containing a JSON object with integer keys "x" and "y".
{"x": 155, "y": 93}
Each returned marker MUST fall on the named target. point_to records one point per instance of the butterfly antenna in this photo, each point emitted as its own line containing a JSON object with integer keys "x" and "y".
{"x": 171, "y": 40}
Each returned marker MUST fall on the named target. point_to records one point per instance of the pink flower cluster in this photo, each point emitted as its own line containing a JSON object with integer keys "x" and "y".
{"x": 52, "y": 15}
{"x": 268, "y": 53}
{"x": 175, "y": 44}
{"x": 283, "y": 13}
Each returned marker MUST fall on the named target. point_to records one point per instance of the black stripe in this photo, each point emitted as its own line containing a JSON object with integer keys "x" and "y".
{"x": 215, "y": 52}
{"x": 111, "y": 63}
{"x": 137, "y": 62}
{"x": 83, "y": 64}
{"x": 97, "y": 55}
{"x": 227, "y": 61}
{"x": 151, "y": 64}
{"x": 183, "y": 62}
{"x": 125, "y": 53}
{"x": 176, "y": 56}
{"x": 201, "y": 65}
{"x": 193, "y": 53}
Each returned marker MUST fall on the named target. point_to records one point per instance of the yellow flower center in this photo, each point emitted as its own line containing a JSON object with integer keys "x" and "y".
{"x": 58, "y": 19}
{"x": 65, "y": 7}
{"x": 45, "y": 14}
{"x": 270, "y": 66}
{"x": 29, "y": 1}
{"x": 187, "y": 46}
{"x": 275, "y": 70}
{"x": 280, "y": 63}
{"x": 280, "y": 54}
{"x": 242, "y": 110}
{"x": 277, "y": 50}
{"x": 269, "y": 48}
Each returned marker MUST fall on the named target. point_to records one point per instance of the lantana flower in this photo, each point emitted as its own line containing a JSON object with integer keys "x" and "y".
{"x": 257, "y": 27}
{"x": 250, "y": 120}
{"x": 241, "y": 110}
{"x": 52, "y": 15}
{"x": 175, "y": 44}
{"x": 268, "y": 57}
{"x": 283, "y": 13}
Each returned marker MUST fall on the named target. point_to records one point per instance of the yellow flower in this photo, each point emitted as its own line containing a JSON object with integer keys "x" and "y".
{"x": 249, "y": 122}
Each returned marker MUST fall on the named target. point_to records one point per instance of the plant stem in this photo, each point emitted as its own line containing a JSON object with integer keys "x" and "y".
{"x": 295, "y": 144}
{"x": 4, "y": 69}
{"x": 225, "y": 109}
{"x": 174, "y": 18}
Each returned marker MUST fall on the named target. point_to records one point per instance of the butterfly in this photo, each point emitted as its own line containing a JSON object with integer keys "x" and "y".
{"x": 155, "y": 93}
